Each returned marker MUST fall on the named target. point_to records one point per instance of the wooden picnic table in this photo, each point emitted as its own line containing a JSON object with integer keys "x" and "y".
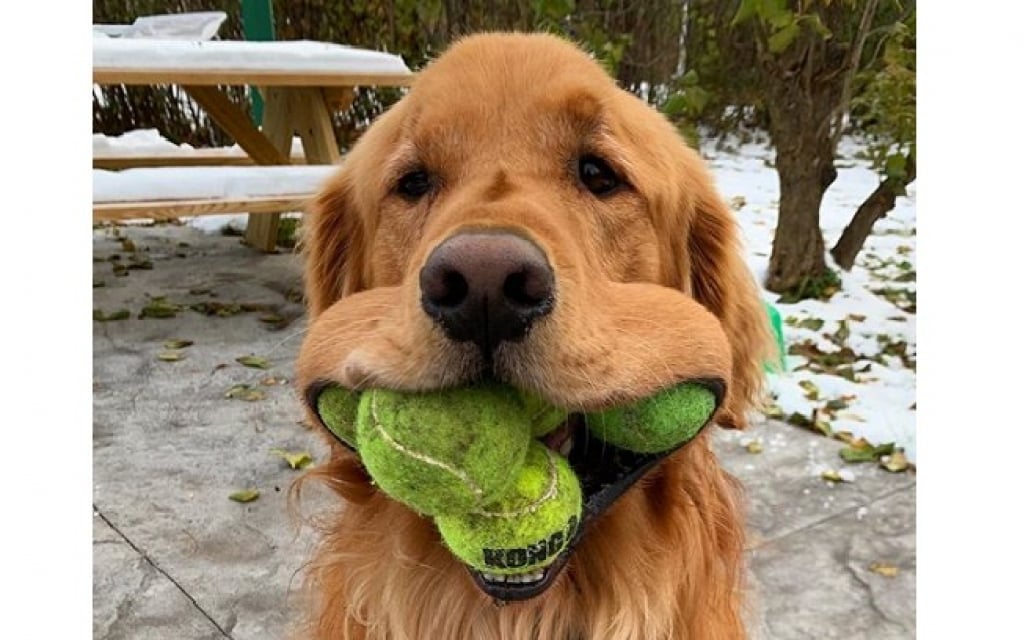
{"x": 302, "y": 83}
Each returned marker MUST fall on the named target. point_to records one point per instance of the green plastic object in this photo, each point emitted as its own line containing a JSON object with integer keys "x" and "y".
{"x": 779, "y": 339}
{"x": 257, "y": 26}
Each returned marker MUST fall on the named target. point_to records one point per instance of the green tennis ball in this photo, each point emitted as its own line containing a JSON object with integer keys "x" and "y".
{"x": 528, "y": 528}
{"x": 443, "y": 452}
{"x": 338, "y": 408}
{"x": 658, "y": 423}
{"x": 543, "y": 416}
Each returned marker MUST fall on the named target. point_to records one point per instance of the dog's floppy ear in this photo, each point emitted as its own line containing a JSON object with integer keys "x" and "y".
{"x": 334, "y": 243}
{"x": 706, "y": 261}
{"x": 720, "y": 280}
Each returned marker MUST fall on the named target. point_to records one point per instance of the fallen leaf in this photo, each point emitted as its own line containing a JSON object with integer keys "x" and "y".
{"x": 270, "y": 381}
{"x": 159, "y": 308}
{"x": 295, "y": 459}
{"x": 841, "y": 335}
{"x": 274, "y": 322}
{"x": 754, "y": 447}
{"x": 253, "y": 306}
{"x": 121, "y": 314}
{"x": 245, "y": 495}
{"x": 799, "y": 420}
{"x": 884, "y": 569}
{"x": 857, "y": 317}
{"x": 127, "y": 245}
{"x": 140, "y": 263}
{"x": 813, "y": 324}
{"x": 844, "y": 436}
{"x": 836, "y": 404}
{"x": 860, "y": 450}
{"x": 177, "y": 343}
{"x": 774, "y": 411}
{"x": 823, "y": 362}
{"x": 847, "y": 373}
{"x": 832, "y": 476}
{"x": 244, "y": 392}
{"x": 170, "y": 356}
{"x": 219, "y": 309}
{"x": 253, "y": 361}
{"x": 812, "y": 392}
{"x": 896, "y": 462}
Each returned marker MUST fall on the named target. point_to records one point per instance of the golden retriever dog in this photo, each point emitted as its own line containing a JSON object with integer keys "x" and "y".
{"x": 518, "y": 217}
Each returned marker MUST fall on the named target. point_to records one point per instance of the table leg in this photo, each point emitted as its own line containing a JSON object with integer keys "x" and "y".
{"x": 289, "y": 110}
{"x": 233, "y": 120}
{"x": 272, "y": 146}
{"x": 313, "y": 124}
{"x": 278, "y": 127}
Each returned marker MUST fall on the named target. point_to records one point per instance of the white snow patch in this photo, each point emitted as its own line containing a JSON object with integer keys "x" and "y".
{"x": 881, "y": 409}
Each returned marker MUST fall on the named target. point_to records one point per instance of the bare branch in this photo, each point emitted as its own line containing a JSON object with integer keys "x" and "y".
{"x": 855, "y": 53}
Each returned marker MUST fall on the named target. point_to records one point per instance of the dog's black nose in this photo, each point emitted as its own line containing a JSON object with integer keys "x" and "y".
{"x": 487, "y": 287}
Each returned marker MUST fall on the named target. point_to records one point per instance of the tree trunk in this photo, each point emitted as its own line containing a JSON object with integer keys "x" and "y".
{"x": 805, "y": 170}
{"x": 798, "y": 250}
{"x": 803, "y": 88}
{"x": 876, "y": 206}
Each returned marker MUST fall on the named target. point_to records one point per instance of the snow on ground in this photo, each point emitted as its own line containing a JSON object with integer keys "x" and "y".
{"x": 872, "y": 317}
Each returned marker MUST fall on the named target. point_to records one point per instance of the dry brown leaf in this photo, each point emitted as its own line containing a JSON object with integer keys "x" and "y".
{"x": 884, "y": 569}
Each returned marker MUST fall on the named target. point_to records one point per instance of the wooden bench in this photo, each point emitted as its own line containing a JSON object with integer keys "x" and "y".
{"x": 161, "y": 193}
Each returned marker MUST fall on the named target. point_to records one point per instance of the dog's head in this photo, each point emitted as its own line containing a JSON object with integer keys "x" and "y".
{"x": 517, "y": 216}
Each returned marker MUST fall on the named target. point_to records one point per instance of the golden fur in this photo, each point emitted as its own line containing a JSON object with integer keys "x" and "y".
{"x": 651, "y": 288}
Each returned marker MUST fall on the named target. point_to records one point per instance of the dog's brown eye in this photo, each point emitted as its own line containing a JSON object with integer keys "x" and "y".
{"x": 597, "y": 176}
{"x": 414, "y": 184}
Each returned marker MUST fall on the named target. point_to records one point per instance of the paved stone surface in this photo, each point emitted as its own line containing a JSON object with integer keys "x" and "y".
{"x": 175, "y": 558}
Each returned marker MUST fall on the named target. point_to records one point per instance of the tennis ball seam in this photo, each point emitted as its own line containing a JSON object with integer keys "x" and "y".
{"x": 549, "y": 494}
{"x": 418, "y": 455}
{"x": 541, "y": 413}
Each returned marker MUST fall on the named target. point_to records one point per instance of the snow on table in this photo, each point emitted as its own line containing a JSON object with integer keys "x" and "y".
{"x": 292, "y": 56}
{"x": 149, "y": 142}
{"x": 137, "y": 141}
{"x": 207, "y": 183}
